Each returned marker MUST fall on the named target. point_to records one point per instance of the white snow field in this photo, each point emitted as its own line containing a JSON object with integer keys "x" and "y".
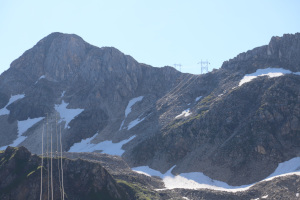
{"x": 128, "y": 110}
{"x": 197, "y": 180}
{"x": 184, "y": 113}
{"x": 107, "y": 147}
{"x": 66, "y": 114}
{"x": 23, "y": 126}
{"x": 270, "y": 72}
{"x": 12, "y": 99}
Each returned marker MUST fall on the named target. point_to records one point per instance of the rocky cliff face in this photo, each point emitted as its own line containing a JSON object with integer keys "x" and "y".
{"x": 230, "y": 132}
{"x": 280, "y": 52}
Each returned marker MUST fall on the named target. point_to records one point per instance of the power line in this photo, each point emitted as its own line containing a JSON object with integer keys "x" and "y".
{"x": 41, "y": 193}
{"x": 62, "y": 171}
{"x": 47, "y": 154}
{"x": 57, "y": 154}
{"x": 51, "y": 163}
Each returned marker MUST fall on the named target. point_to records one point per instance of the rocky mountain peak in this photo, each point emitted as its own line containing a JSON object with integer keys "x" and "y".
{"x": 65, "y": 55}
{"x": 53, "y": 56}
{"x": 281, "y": 51}
{"x": 60, "y": 57}
{"x": 286, "y": 49}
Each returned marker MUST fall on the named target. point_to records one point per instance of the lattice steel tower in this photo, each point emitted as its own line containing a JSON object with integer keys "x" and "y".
{"x": 204, "y": 66}
{"x": 178, "y": 65}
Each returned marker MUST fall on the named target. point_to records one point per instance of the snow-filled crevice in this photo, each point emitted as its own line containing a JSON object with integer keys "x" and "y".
{"x": 43, "y": 76}
{"x": 128, "y": 110}
{"x": 12, "y": 99}
{"x": 23, "y": 126}
{"x": 134, "y": 123}
{"x": 198, "y": 98}
{"x": 67, "y": 114}
{"x": 107, "y": 147}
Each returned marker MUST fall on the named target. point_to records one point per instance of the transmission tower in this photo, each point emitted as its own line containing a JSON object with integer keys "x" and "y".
{"x": 204, "y": 66}
{"x": 178, "y": 65}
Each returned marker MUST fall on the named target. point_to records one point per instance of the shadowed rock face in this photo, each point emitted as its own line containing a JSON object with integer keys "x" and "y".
{"x": 237, "y": 134}
{"x": 20, "y": 178}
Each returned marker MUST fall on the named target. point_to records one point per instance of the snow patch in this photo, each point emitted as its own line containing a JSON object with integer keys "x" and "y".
{"x": 107, "y": 147}
{"x": 270, "y": 72}
{"x": 147, "y": 171}
{"x": 134, "y": 123}
{"x": 62, "y": 94}
{"x": 194, "y": 180}
{"x": 184, "y": 113}
{"x": 264, "y": 197}
{"x": 84, "y": 146}
{"x": 40, "y": 79}
{"x": 66, "y": 114}
{"x": 12, "y": 99}
{"x": 128, "y": 109}
{"x": 23, "y": 126}
{"x": 122, "y": 125}
{"x": 198, "y": 98}
{"x": 131, "y": 103}
{"x": 297, "y": 195}
{"x": 292, "y": 165}
{"x": 197, "y": 180}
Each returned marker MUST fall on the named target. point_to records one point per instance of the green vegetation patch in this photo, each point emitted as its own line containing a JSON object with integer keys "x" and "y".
{"x": 207, "y": 100}
{"x": 12, "y": 155}
{"x": 39, "y": 167}
{"x": 30, "y": 173}
{"x": 175, "y": 124}
{"x": 138, "y": 191}
{"x": 3, "y": 161}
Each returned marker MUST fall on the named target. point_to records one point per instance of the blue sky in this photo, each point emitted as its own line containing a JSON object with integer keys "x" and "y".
{"x": 157, "y": 33}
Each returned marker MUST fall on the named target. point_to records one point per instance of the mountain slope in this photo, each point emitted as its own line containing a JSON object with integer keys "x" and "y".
{"x": 238, "y": 134}
{"x": 232, "y": 131}
{"x": 86, "y": 179}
